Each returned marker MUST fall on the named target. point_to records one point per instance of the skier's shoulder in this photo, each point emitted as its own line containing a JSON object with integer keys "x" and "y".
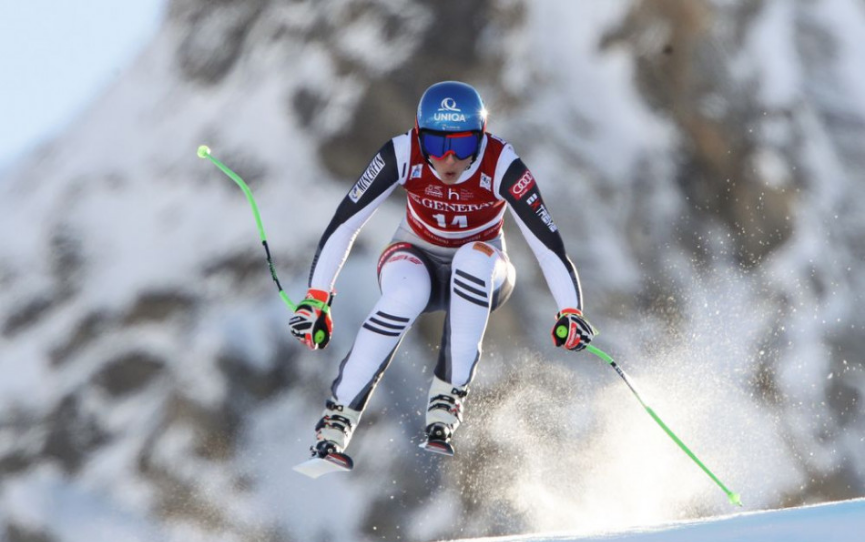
{"x": 393, "y": 155}
{"x": 503, "y": 163}
{"x": 498, "y": 152}
{"x": 397, "y": 145}
{"x": 404, "y": 138}
{"x": 495, "y": 146}
{"x": 401, "y": 148}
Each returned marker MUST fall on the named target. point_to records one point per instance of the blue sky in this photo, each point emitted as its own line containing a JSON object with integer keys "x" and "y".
{"x": 56, "y": 56}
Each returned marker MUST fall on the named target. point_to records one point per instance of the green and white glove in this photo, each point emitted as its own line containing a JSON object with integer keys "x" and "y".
{"x": 572, "y": 330}
{"x": 311, "y": 323}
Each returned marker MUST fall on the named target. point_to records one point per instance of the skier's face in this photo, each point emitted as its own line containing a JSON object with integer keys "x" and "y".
{"x": 450, "y": 168}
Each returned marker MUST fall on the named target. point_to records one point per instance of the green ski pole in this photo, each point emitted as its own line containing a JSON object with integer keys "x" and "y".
{"x": 204, "y": 152}
{"x": 734, "y": 498}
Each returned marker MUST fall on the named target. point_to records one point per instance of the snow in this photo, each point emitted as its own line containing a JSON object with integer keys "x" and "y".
{"x": 776, "y": 64}
{"x": 832, "y": 522}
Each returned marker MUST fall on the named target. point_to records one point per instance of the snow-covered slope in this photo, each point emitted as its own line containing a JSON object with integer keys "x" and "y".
{"x": 702, "y": 160}
{"x": 833, "y": 522}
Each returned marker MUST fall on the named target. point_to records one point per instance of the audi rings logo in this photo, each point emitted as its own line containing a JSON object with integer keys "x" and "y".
{"x": 523, "y": 185}
{"x": 449, "y": 104}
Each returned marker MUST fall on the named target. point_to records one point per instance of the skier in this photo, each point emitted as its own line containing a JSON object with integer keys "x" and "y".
{"x": 447, "y": 254}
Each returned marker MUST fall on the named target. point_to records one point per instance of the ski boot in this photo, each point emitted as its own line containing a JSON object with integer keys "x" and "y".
{"x": 444, "y": 415}
{"x": 333, "y": 433}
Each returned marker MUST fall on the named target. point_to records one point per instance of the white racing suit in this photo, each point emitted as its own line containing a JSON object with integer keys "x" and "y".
{"x": 448, "y": 254}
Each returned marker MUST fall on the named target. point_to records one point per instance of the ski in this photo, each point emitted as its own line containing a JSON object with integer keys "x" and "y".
{"x": 319, "y": 466}
{"x": 438, "y": 447}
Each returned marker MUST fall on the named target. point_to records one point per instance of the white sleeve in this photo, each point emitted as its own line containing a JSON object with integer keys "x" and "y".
{"x": 331, "y": 255}
{"x": 386, "y": 171}
{"x": 561, "y": 278}
{"x": 515, "y": 184}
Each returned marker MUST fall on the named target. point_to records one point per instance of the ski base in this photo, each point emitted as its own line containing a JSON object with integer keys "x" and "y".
{"x": 319, "y": 466}
{"x": 438, "y": 447}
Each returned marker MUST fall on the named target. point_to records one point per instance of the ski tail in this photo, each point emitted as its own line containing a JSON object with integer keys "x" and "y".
{"x": 438, "y": 447}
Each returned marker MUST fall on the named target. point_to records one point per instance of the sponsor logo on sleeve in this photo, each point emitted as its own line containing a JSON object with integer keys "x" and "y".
{"x": 519, "y": 189}
{"x": 362, "y": 184}
{"x": 546, "y": 217}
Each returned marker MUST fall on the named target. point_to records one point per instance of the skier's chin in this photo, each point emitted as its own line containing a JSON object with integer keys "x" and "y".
{"x": 450, "y": 177}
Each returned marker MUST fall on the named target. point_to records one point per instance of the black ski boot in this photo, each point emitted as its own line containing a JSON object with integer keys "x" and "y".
{"x": 438, "y": 439}
{"x": 444, "y": 414}
{"x": 333, "y": 432}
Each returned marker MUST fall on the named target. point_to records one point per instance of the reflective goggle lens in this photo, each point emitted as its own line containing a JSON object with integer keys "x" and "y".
{"x": 463, "y": 145}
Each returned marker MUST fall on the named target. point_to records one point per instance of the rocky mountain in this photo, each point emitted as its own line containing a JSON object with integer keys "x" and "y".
{"x": 701, "y": 158}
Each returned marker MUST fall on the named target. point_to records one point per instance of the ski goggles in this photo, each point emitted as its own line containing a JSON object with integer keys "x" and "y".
{"x": 440, "y": 144}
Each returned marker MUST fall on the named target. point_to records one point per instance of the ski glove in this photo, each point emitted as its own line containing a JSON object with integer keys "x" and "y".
{"x": 572, "y": 330}
{"x": 311, "y": 323}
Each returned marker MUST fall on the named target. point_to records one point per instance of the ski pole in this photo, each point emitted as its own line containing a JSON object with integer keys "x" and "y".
{"x": 734, "y": 498}
{"x": 204, "y": 152}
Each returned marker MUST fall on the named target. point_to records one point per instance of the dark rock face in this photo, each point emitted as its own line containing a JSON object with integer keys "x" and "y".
{"x": 683, "y": 56}
{"x": 74, "y": 433}
{"x": 129, "y": 373}
{"x": 215, "y": 36}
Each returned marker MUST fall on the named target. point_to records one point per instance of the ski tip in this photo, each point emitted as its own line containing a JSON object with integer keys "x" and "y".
{"x": 319, "y": 466}
{"x": 203, "y": 151}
